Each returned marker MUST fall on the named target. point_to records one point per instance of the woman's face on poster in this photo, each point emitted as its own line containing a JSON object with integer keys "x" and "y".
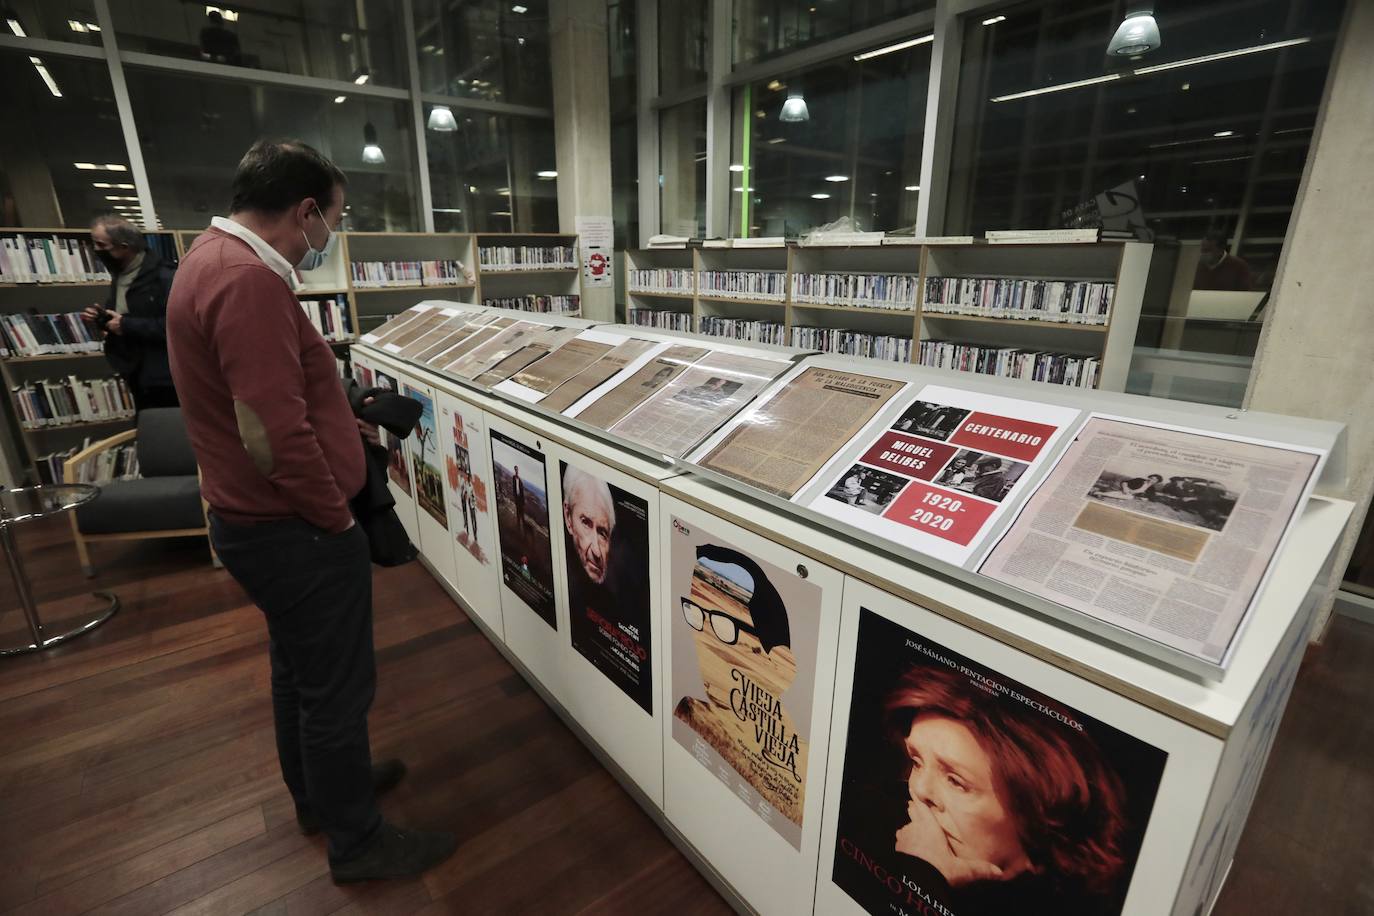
{"x": 952, "y": 778}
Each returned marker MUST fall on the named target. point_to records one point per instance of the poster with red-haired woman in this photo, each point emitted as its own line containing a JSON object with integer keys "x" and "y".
{"x": 966, "y": 793}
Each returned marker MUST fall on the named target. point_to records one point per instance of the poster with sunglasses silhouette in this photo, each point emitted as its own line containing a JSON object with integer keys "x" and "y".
{"x": 968, "y": 793}
{"x": 743, "y": 641}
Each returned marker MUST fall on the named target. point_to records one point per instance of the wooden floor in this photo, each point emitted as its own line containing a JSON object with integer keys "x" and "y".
{"x": 138, "y": 774}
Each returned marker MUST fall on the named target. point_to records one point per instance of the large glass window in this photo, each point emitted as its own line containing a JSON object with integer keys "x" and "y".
{"x": 485, "y": 49}
{"x": 621, "y": 33}
{"x": 62, "y": 153}
{"x": 683, "y": 44}
{"x": 839, "y": 140}
{"x": 766, "y": 28}
{"x": 682, "y": 169}
{"x": 57, "y": 20}
{"x": 352, "y": 40}
{"x": 493, "y": 173}
{"x": 195, "y": 130}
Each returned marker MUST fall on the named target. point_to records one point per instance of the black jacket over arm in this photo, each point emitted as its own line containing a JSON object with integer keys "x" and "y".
{"x": 139, "y": 353}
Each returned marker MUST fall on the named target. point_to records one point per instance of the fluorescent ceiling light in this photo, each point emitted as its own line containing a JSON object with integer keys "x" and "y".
{"x": 75, "y": 26}
{"x": 118, "y": 197}
{"x": 446, "y": 210}
{"x": 736, "y": 167}
{"x": 360, "y": 79}
{"x": 820, "y": 196}
{"x": 1091, "y": 81}
{"x": 547, "y": 174}
{"x": 836, "y": 178}
{"x": 115, "y": 167}
{"x": 16, "y": 28}
{"x": 500, "y": 213}
{"x": 742, "y": 189}
{"x": 519, "y": 9}
{"x": 103, "y": 184}
{"x": 86, "y": 166}
{"x": 913, "y": 187}
{"x": 1224, "y": 133}
{"x": 340, "y": 99}
{"x": 775, "y": 85}
{"x": 47, "y": 77}
{"x": 1208, "y": 58}
{"x": 504, "y": 192}
{"x": 899, "y": 46}
{"x": 1214, "y": 161}
{"x": 778, "y": 140}
{"x": 441, "y": 119}
{"x": 994, "y": 20}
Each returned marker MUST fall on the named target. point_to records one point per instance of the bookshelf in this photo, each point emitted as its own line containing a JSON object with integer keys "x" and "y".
{"x": 536, "y": 271}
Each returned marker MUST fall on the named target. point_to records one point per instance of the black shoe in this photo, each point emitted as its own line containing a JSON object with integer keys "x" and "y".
{"x": 385, "y": 777}
{"x": 395, "y": 853}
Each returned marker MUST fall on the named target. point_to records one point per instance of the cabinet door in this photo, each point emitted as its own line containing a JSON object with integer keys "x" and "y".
{"x": 465, "y": 455}
{"x": 750, "y": 630}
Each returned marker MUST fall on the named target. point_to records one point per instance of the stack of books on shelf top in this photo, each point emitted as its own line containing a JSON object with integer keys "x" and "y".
{"x": 1042, "y": 236}
{"x": 743, "y": 284}
{"x": 72, "y": 400}
{"x": 499, "y": 258}
{"x": 46, "y": 335}
{"x": 677, "y": 281}
{"x": 537, "y": 303}
{"x": 764, "y": 332}
{"x": 379, "y": 274}
{"x": 894, "y": 292}
{"x": 1059, "y": 301}
{"x": 118, "y": 463}
{"x": 662, "y": 319}
{"x": 26, "y": 258}
{"x": 1072, "y": 369}
{"x": 330, "y": 317}
{"x": 853, "y": 343}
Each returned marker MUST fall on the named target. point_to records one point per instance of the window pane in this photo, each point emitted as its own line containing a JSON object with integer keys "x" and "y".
{"x": 683, "y": 47}
{"x": 58, "y": 20}
{"x": 856, "y": 154}
{"x": 1208, "y": 133}
{"x": 621, "y": 33}
{"x": 331, "y": 39}
{"x": 492, "y": 173}
{"x": 766, "y": 28}
{"x": 194, "y": 131}
{"x": 682, "y": 169}
{"x": 485, "y": 49}
{"x": 42, "y": 137}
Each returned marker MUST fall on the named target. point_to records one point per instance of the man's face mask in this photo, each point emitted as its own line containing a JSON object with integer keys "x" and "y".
{"x": 314, "y": 257}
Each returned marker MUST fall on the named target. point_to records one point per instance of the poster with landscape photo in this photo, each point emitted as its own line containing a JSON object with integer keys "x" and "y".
{"x": 522, "y": 518}
{"x": 424, "y": 453}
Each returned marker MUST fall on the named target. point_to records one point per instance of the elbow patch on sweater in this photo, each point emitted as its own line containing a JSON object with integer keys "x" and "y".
{"x": 253, "y": 435}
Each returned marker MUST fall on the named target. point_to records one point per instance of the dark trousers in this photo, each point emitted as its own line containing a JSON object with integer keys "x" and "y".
{"x": 315, "y": 589}
{"x": 161, "y": 396}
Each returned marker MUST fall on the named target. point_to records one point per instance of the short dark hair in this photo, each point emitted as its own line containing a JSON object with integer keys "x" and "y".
{"x": 275, "y": 175}
{"x": 121, "y": 231}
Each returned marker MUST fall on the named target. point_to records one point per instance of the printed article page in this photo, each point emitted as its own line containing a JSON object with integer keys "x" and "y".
{"x": 1168, "y": 533}
{"x": 380, "y": 334}
{"x": 611, "y": 406}
{"x": 454, "y": 354}
{"x": 532, "y": 352}
{"x": 562, "y": 364}
{"x": 496, "y": 348}
{"x": 781, "y": 443}
{"x": 464, "y": 328}
{"x": 595, "y": 375}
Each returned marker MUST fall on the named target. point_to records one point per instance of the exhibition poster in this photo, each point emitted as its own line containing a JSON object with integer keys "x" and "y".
{"x": 429, "y": 484}
{"x": 785, "y": 439}
{"x": 743, "y": 644}
{"x": 495, "y": 348}
{"x": 467, "y": 485}
{"x": 967, "y": 793}
{"x": 532, "y": 352}
{"x": 1163, "y": 531}
{"x": 941, "y": 476}
{"x": 480, "y": 335}
{"x": 522, "y": 520}
{"x": 606, "y": 539}
{"x": 396, "y": 467}
{"x": 595, "y": 375}
{"x": 695, "y": 402}
{"x": 610, "y": 406}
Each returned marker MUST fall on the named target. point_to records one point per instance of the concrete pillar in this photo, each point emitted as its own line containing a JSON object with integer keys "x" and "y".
{"x": 1317, "y": 347}
{"x": 580, "y": 61}
{"x": 30, "y": 182}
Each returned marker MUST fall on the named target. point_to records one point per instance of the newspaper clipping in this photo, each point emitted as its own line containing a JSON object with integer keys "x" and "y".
{"x": 455, "y": 354}
{"x": 531, "y": 353}
{"x": 611, "y": 406}
{"x": 1166, "y": 532}
{"x": 785, "y": 440}
{"x": 562, "y": 364}
{"x": 496, "y": 348}
{"x": 595, "y": 375}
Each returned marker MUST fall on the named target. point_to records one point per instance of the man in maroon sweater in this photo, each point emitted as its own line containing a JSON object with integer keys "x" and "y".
{"x": 280, "y": 457}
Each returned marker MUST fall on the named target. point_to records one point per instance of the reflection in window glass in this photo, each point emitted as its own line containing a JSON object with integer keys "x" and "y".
{"x": 56, "y": 20}
{"x": 621, "y": 33}
{"x": 1202, "y": 139}
{"x": 682, "y": 169}
{"x": 766, "y": 28}
{"x": 43, "y": 136}
{"x": 683, "y": 47}
{"x": 856, "y": 154}
{"x": 493, "y": 173}
{"x": 484, "y": 49}
{"x": 194, "y": 131}
{"x": 332, "y": 39}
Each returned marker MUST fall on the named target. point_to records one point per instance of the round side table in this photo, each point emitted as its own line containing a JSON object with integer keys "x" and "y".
{"x": 25, "y": 504}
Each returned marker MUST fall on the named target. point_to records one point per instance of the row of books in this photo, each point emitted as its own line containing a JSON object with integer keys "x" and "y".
{"x": 330, "y": 317}
{"x": 853, "y": 343}
{"x": 376, "y": 274}
{"x": 1072, "y": 369}
{"x": 118, "y": 463}
{"x": 663, "y": 319}
{"x": 663, "y": 280}
{"x": 764, "y": 332}
{"x": 44, "y": 335}
{"x": 743, "y": 284}
{"x": 526, "y": 257}
{"x": 1067, "y": 301}
{"x": 61, "y": 402}
{"x": 537, "y": 303}
{"x": 882, "y": 291}
{"x": 26, "y": 258}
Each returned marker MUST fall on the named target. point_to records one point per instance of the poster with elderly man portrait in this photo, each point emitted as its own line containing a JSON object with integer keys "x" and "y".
{"x": 606, "y": 550}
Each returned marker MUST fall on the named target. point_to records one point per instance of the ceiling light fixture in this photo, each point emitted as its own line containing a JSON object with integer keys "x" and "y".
{"x": 519, "y": 9}
{"x": 500, "y": 213}
{"x": 742, "y": 189}
{"x": 372, "y": 151}
{"x": 340, "y": 99}
{"x": 913, "y": 187}
{"x": 16, "y": 28}
{"x": 362, "y": 78}
{"x": 837, "y": 178}
{"x": 1137, "y": 34}
{"x": 899, "y": 46}
{"x": 820, "y": 196}
{"x": 441, "y": 119}
{"x": 446, "y": 210}
{"x": 46, "y": 76}
{"x": 777, "y": 140}
{"x": 1091, "y": 81}
{"x": 775, "y": 86}
{"x": 547, "y": 174}
{"x": 1224, "y": 133}
{"x": 228, "y": 14}
{"x": 794, "y": 109}
{"x": 736, "y": 167}
{"x": 994, "y": 20}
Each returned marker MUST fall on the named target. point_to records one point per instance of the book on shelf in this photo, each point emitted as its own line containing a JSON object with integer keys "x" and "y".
{"x": 1062, "y": 301}
{"x": 843, "y": 239}
{"x": 677, "y": 280}
{"x": 378, "y": 274}
{"x": 662, "y": 319}
{"x": 537, "y": 303}
{"x": 717, "y": 243}
{"x": 672, "y": 241}
{"x": 118, "y": 463}
{"x": 64, "y": 401}
{"x": 876, "y": 291}
{"x": 853, "y": 343}
{"x": 767, "y": 241}
{"x": 526, "y": 257}
{"x": 1021, "y": 236}
{"x": 330, "y": 316}
{"x": 47, "y": 335}
{"x": 754, "y": 331}
{"x": 743, "y": 284}
{"x": 916, "y": 240}
{"x": 1075, "y": 370}
{"x": 28, "y": 258}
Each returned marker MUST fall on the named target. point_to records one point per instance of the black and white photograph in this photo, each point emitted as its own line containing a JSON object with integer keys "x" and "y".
{"x": 985, "y": 476}
{"x": 867, "y": 488}
{"x": 935, "y": 421}
{"x": 709, "y": 393}
{"x": 1197, "y": 501}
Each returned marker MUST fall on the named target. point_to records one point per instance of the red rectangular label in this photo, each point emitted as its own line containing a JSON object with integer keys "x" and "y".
{"x": 910, "y": 457}
{"x": 1020, "y": 439}
{"x": 946, "y": 514}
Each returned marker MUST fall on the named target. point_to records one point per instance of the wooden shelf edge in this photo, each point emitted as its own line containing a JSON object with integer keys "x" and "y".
{"x": 1015, "y": 322}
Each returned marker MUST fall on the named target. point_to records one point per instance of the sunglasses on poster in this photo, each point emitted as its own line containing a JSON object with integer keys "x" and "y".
{"x": 723, "y": 626}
